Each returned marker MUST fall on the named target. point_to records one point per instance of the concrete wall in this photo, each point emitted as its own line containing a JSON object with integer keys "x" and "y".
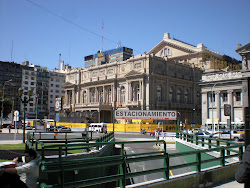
{"x": 203, "y": 179}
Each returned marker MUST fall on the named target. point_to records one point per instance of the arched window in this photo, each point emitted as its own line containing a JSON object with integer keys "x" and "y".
{"x": 186, "y": 96}
{"x": 101, "y": 95}
{"x": 179, "y": 95}
{"x": 84, "y": 97}
{"x": 93, "y": 97}
{"x": 171, "y": 94}
{"x": 137, "y": 92}
{"x": 110, "y": 95}
{"x": 159, "y": 93}
{"x": 123, "y": 92}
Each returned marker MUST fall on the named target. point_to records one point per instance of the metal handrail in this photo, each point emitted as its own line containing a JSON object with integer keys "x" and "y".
{"x": 122, "y": 159}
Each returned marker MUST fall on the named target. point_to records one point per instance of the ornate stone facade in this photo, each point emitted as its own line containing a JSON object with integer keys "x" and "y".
{"x": 226, "y": 87}
{"x": 144, "y": 82}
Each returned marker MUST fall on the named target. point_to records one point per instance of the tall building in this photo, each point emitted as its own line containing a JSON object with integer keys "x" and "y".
{"x": 36, "y": 78}
{"x": 199, "y": 55}
{"x": 110, "y": 56}
{"x": 226, "y": 87}
{"x": 11, "y": 71}
{"x": 56, "y": 90}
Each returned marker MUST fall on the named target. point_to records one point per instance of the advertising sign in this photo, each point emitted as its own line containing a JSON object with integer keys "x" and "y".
{"x": 146, "y": 114}
{"x": 58, "y": 104}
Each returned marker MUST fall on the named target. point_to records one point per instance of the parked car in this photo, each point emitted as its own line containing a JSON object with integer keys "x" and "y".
{"x": 226, "y": 135}
{"x": 63, "y": 129}
{"x": 203, "y": 134}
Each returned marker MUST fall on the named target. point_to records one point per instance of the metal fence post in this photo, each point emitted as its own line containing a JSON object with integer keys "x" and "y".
{"x": 198, "y": 159}
{"x": 123, "y": 169}
{"x": 240, "y": 152}
{"x": 166, "y": 162}
{"x": 228, "y": 151}
{"x": 61, "y": 177}
{"x": 222, "y": 154}
{"x": 202, "y": 139}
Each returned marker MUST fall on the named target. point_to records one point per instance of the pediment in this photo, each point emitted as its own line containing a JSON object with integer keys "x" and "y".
{"x": 68, "y": 84}
{"x": 133, "y": 73}
{"x": 244, "y": 49}
{"x": 177, "y": 45}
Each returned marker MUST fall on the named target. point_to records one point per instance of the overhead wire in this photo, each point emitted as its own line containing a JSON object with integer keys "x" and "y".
{"x": 65, "y": 19}
{"x": 69, "y": 21}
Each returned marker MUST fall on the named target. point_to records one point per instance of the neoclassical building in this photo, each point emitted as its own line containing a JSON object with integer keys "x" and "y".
{"x": 198, "y": 56}
{"x": 165, "y": 78}
{"x": 226, "y": 87}
{"x": 143, "y": 82}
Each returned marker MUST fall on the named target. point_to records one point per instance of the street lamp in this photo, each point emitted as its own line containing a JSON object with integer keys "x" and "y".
{"x": 25, "y": 101}
{"x": 3, "y": 101}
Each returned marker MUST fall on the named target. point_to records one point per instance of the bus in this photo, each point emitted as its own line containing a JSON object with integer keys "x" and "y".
{"x": 222, "y": 126}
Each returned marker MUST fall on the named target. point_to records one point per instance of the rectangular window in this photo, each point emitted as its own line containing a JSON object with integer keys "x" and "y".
{"x": 238, "y": 96}
{"x": 212, "y": 99}
{"x": 224, "y": 97}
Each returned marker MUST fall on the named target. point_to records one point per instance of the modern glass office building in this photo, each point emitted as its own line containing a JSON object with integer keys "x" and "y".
{"x": 110, "y": 56}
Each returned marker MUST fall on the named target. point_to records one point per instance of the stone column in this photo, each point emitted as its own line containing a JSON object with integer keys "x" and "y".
{"x": 218, "y": 107}
{"x": 66, "y": 97}
{"x": 96, "y": 95}
{"x": 73, "y": 96}
{"x": 129, "y": 88}
{"x": 104, "y": 94}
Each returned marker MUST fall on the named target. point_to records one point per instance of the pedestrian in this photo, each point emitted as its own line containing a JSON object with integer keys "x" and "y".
{"x": 242, "y": 174}
{"x": 157, "y": 136}
{"x": 10, "y": 174}
{"x": 9, "y": 127}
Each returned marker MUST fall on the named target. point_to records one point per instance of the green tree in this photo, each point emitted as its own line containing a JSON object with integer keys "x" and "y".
{"x": 7, "y": 104}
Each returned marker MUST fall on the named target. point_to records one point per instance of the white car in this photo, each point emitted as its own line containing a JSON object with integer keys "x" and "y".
{"x": 226, "y": 136}
{"x": 203, "y": 134}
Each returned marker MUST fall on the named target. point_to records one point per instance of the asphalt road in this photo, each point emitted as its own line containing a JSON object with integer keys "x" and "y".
{"x": 152, "y": 164}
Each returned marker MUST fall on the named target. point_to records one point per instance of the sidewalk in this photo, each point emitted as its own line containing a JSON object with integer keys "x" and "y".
{"x": 232, "y": 184}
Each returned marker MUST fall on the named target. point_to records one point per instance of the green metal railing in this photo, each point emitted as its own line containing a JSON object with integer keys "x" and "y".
{"x": 121, "y": 161}
{"x": 63, "y": 146}
{"x": 209, "y": 142}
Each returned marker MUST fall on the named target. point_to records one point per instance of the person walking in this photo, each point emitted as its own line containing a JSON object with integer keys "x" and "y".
{"x": 242, "y": 174}
{"x": 157, "y": 136}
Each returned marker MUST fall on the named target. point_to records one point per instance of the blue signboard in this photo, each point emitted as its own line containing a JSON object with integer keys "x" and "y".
{"x": 57, "y": 117}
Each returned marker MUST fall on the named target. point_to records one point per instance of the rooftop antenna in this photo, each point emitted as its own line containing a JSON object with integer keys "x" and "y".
{"x": 119, "y": 44}
{"x": 11, "y": 51}
{"x": 102, "y": 34}
{"x": 59, "y": 60}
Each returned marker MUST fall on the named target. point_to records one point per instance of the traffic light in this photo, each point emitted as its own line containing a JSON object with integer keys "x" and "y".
{"x": 227, "y": 109}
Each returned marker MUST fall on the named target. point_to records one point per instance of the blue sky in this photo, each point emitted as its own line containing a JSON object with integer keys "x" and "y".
{"x": 40, "y": 30}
